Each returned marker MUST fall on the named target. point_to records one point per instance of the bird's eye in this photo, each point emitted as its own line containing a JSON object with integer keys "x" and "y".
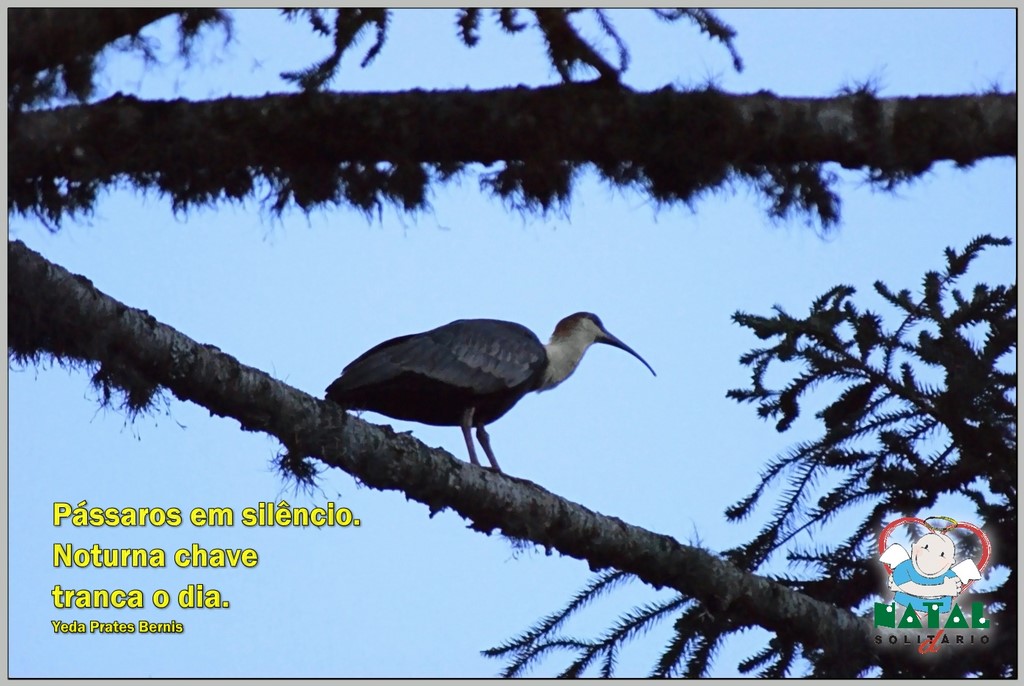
{"x": 942, "y": 554}
{"x": 926, "y": 546}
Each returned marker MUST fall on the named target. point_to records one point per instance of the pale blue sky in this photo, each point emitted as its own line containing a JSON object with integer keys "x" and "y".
{"x": 300, "y": 297}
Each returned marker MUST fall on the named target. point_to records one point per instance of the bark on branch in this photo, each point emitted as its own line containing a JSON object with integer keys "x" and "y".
{"x": 124, "y": 135}
{"x": 58, "y": 313}
{"x": 676, "y": 144}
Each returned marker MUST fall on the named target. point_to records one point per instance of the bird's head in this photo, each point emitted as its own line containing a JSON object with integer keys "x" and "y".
{"x": 578, "y": 331}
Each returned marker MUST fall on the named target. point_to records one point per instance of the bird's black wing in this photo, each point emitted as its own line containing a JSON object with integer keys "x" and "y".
{"x": 479, "y": 355}
{"x": 491, "y": 355}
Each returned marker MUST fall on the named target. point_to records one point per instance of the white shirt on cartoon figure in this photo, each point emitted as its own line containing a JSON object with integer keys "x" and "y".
{"x": 925, "y": 574}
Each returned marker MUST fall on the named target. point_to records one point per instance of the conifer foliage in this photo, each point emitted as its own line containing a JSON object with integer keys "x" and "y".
{"x": 920, "y": 409}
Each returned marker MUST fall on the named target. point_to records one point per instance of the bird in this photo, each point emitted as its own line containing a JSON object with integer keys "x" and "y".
{"x": 467, "y": 373}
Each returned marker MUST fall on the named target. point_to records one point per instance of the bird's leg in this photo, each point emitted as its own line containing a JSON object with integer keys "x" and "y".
{"x": 467, "y": 424}
{"x": 485, "y": 441}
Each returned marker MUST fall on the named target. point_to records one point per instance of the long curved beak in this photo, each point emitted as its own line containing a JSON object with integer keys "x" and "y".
{"x": 609, "y": 339}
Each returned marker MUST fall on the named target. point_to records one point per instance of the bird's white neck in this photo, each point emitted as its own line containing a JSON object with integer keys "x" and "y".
{"x": 564, "y": 355}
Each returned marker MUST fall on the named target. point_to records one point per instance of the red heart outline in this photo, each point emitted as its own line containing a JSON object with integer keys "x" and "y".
{"x": 986, "y": 546}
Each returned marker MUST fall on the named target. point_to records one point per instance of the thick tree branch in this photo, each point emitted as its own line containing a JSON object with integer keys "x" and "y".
{"x": 515, "y": 124}
{"x": 329, "y": 147}
{"x": 55, "y": 312}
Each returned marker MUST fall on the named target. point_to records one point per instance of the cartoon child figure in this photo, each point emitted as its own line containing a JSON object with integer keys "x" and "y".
{"x": 927, "y": 575}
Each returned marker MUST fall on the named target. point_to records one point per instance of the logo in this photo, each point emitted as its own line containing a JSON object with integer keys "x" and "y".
{"x": 928, "y": 583}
